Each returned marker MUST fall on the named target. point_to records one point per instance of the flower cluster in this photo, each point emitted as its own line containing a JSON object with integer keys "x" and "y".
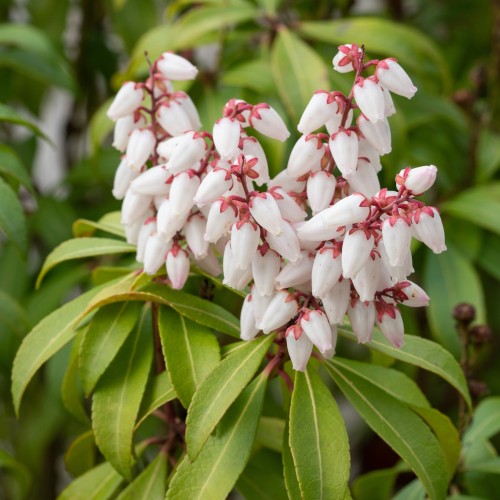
{"x": 319, "y": 241}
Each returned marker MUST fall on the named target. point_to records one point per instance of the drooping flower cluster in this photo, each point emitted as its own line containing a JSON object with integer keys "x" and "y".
{"x": 319, "y": 241}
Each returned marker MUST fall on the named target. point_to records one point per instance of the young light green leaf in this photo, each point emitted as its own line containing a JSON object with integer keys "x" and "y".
{"x": 289, "y": 471}
{"x": 270, "y": 433}
{"x": 485, "y": 422}
{"x": 451, "y": 279}
{"x": 11, "y": 165}
{"x": 103, "y": 338}
{"x": 79, "y": 248}
{"x": 395, "y": 383}
{"x": 118, "y": 396}
{"x": 99, "y": 483}
{"x": 12, "y": 221}
{"x": 150, "y": 484}
{"x": 298, "y": 71}
{"x": 423, "y": 353}
{"x": 57, "y": 329}
{"x": 412, "y": 491}
{"x": 318, "y": 439}
{"x": 109, "y": 223}
{"x": 191, "y": 352}
{"x": 199, "y": 310}
{"x": 398, "y": 426}
{"x": 158, "y": 392}
{"x": 81, "y": 454}
{"x": 221, "y": 461}
{"x": 219, "y": 390}
{"x": 262, "y": 478}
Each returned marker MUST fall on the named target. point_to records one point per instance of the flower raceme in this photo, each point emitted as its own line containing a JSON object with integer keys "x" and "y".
{"x": 320, "y": 241}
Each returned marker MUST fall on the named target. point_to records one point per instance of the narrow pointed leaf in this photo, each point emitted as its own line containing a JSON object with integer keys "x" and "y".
{"x": 489, "y": 467}
{"x": 289, "y": 471}
{"x": 81, "y": 454}
{"x": 191, "y": 352}
{"x": 221, "y": 461}
{"x": 218, "y": 391}
{"x": 423, "y": 353}
{"x": 118, "y": 396}
{"x": 398, "y": 426}
{"x": 9, "y": 464}
{"x": 80, "y": 248}
{"x": 11, "y": 166}
{"x": 106, "y": 333}
{"x": 12, "y": 221}
{"x": 150, "y": 484}
{"x": 10, "y": 115}
{"x": 56, "y": 330}
{"x": 109, "y": 223}
{"x": 318, "y": 439}
{"x": 485, "y": 423}
{"x": 270, "y": 433}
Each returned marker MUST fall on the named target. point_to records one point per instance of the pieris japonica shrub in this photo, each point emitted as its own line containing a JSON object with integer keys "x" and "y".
{"x": 318, "y": 259}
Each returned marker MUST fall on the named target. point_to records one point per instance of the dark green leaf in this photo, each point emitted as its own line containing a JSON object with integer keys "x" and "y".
{"x": 11, "y": 165}
{"x": 191, "y": 352}
{"x": 103, "y": 338}
{"x": 396, "y": 424}
{"x": 23, "y": 476}
{"x": 79, "y": 248}
{"x": 12, "y": 221}
{"x": 377, "y": 484}
{"x": 318, "y": 439}
{"x": 485, "y": 423}
{"x": 118, "y": 396}
{"x": 80, "y": 455}
{"x": 289, "y": 471}
{"x": 489, "y": 467}
{"x": 218, "y": 391}
{"x": 488, "y": 160}
{"x": 270, "y": 433}
{"x": 221, "y": 461}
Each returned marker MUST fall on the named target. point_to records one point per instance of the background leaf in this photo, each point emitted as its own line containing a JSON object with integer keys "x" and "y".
{"x": 12, "y": 221}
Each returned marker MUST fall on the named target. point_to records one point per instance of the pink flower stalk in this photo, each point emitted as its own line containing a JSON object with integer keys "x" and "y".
{"x": 344, "y": 148}
{"x": 126, "y": 101}
{"x": 175, "y": 67}
{"x": 394, "y": 78}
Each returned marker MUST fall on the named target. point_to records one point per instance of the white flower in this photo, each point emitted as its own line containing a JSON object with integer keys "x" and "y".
{"x": 177, "y": 267}
{"x": 428, "y": 228}
{"x": 356, "y": 250}
{"x": 348, "y": 210}
{"x": 370, "y": 99}
{"x": 267, "y": 121}
{"x": 362, "y": 318}
{"x": 126, "y": 101}
{"x": 124, "y": 176}
{"x": 194, "y": 230}
{"x": 392, "y": 328}
{"x": 394, "y": 78}
{"x": 226, "y": 134}
{"x": 320, "y": 190}
{"x": 140, "y": 146}
{"x": 397, "y": 239}
{"x": 175, "y": 67}
{"x": 219, "y": 221}
{"x": 248, "y": 328}
{"x": 342, "y": 62}
{"x": 174, "y": 119}
{"x": 264, "y": 269}
{"x": 367, "y": 279}
{"x": 336, "y": 300}
{"x": 306, "y": 156}
{"x": 320, "y": 109}
{"x": 183, "y": 188}
{"x": 364, "y": 180}
{"x": 417, "y": 180}
{"x": 155, "y": 252}
{"x": 186, "y": 153}
{"x": 152, "y": 182}
{"x": 316, "y": 327}
{"x": 286, "y": 243}
{"x": 299, "y": 350}
{"x": 123, "y": 128}
{"x": 295, "y": 274}
{"x": 282, "y": 308}
{"x": 266, "y": 212}
{"x": 326, "y": 270}
{"x": 378, "y": 134}
{"x": 344, "y": 148}
{"x": 245, "y": 238}
{"x": 215, "y": 184}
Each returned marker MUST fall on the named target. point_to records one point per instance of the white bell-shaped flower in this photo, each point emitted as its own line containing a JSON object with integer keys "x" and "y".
{"x": 314, "y": 230}
{"x": 367, "y": 279}
{"x": 299, "y": 350}
{"x": 219, "y": 221}
{"x": 152, "y": 182}
{"x": 248, "y": 328}
{"x": 187, "y": 152}
{"x": 184, "y": 186}
{"x": 265, "y": 268}
{"x": 370, "y": 99}
{"x": 362, "y": 317}
{"x": 175, "y": 67}
{"x": 342, "y": 61}
{"x": 321, "y": 108}
{"x": 333, "y": 124}
{"x": 267, "y": 121}
{"x": 124, "y": 176}
{"x": 329, "y": 353}
{"x": 177, "y": 267}
{"x": 428, "y": 228}
{"x": 123, "y": 128}
{"x": 167, "y": 221}
{"x": 173, "y": 118}
{"x": 134, "y": 207}
{"x": 306, "y": 156}
{"x": 394, "y": 78}
{"x": 368, "y": 152}
{"x": 286, "y": 243}
{"x": 261, "y": 303}
{"x": 282, "y": 308}
{"x": 320, "y": 190}
{"x": 295, "y": 274}
{"x": 356, "y": 250}
{"x": 214, "y": 185}
{"x": 289, "y": 208}
{"x": 266, "y": 212}
{"x": 418, "y": 180}
{"x": 392, "y": 327}
{"x": 245, "y": 237}
{"x": 378, "y": 134}
{"x": 155, "y": 253}
{"x": 126, "y": 101}
{"x": 286, "y": 182}
{"x": 326, "y": 269}
{"x": 336, "y": 301}
{"x": 210, "y": 264}
{"x": 344, "y": 148}
{"x": 348, "y": 210}
{"x": 226, "y": 134}
{"x": 187, "y": 105}
{"x": 389, "y": 104}
{"x": 364, "y": 180}
{"x": 166, "y": 147}
{"x": 194, "y": 231}
{"x": 396, "y": 234}
{"x": 316, "y": 327}
{"x": 148, "y": 228}
{"x": 139, "y": 148}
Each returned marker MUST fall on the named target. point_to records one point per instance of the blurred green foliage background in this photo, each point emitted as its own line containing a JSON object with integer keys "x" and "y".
{"x": 60, "y": 63}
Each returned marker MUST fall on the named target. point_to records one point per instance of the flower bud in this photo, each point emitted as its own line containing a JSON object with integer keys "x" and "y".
{"x": 264, "y": 269}
{"x": 140, "y": 146}
{"x": 336, "y": 300}
{"x": 343, "y": 60}
{"x": 248, "y": 328}
{"x": 416, "y": 296}
{"x": 316, "y": 327}
{"x": 326, "y": 270}
{"x": 152, "y": 182}
{"x": 123, "y": 128}
{"x": 397, "y": 239}
{"x": 226, "y": 134}
{"x": 175, "y": 67}
{"x": 356, "y": 250}
{"x": 148, "y": 228}
{"x": 286, "y": 243}
{"x": 134, "y": 207}
{"x": 391, "y": 325}
{"x": 173, "y": 118}
{"x": 184, "y": 186}
{"x": 370, "y": 99}
{"x": 126, "y": 101}
{"x": 417, "y": 180}
{"x": 367, "y": 279}
{"x": 289, "y": 208}
{"x": 266, "y": 212}
{"x": 219, "y": 221}
{"x": 320, "y": 190}
{"x": 344, "y": 148}
{"x": 299, "y": 350}
{"x": 214, "y": 185}
{"x": 320, "y": 109}
{"x": 267, "y": 121}
{"x": 282, "y": 308}
{"x": 194, "y": 230}
{"x": 155, "y": 253}
{"x": 186, "y": 153}
{"x": 177, "y": 267}
{"x": 428, "y": 228}
{"x": 378, "y": 134}
{"x": 306, "y": 156}
{"x": 362, "y": 318}
{"x": 245, "y": 238}
{"x": 394, "y": 78}
{"x": 348, "y": 210}
{"x": 167, "y": 221}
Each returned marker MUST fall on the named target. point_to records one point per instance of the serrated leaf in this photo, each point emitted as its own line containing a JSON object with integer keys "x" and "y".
{"x": 479, "y": 205}
{"x": 423, "y": 353}
{"x": 199, "y": 310}
{"x": 221, "y": 461}
{"x": 485, "y": 422}
{"x": 191, "y": 352}
{"x": 395, "y": 383}
{"x": 450, "y": 279}
{"x": 80, "y": 455}
{"x": 150, "y": 484}
{"x": 118, "y": 396}
{"x": 109, "y": 223}
{"x": 415, "y": 51}
{"x": 298, "y": 71}
{"x": 11, "y": 165}
{"x": 80, "y": 248}
{"x": 398, "y": 426}
{"x": 219, "y": 390}
{"x": 99, "y": 483}
{"x": 158, "y": 392}
{"x": 10, "y": 115}
{"x": 12, "y": 221}
{"x": 103, "y": 338}
{"x": 318, "y": 439}
{"x": 55, "y": 330}
{"x": 270, "y": 433}
{"x": 289, "y": 471}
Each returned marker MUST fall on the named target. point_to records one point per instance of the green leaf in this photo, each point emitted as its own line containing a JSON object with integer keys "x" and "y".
{"x": 103, "y": 338}
{"x": 397, "y": 425}
{"x": 298, "y": 71}
{"x": 80, "y": 455}
{"x": 395, "y": 383}
{"x": 412, "y": 491}
{"x": 489, "y": 467}
{"x": 423, "y": 353}
{"x": 118, "y": 396}
{"x": 158, "y": 392}
{"x": 488, "y": 157}
{"x": 150, "y": 484}
{"x": 485, "y": 422}
{"x": 377, "y": 484}
{"x": 254, "y": 75}
{"x": 199, "y": 310}
{"x": 12, "y": 221}
{"x": 289, "y": 471}
{"x": 100, "y": 126}
{"x": 12, "y": 315}
{"x": 218, "y": 391}
{"x": 446, "y": 434}
{"x": 10, "y": 115}
{"x": 12, "y": 166}
{"x": 23, "y": 476}
{"x": 79, "y": 248}
{"x": 55, "y": 330}
{"x": 262, "y": 478}
{"x": 221, "y": 461}
{"x": 318, "y": 439}
{"x": 479, "y": 205}
{"x": 415, "y": 51}
{"x": 99, "y": 483}
{"x": 489, "y": 255}
{"x": 451, "y": 279}
{"x": 270, "y": 433}
{"x": 109, "y": 223}
{"x": 191, "y": 352}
